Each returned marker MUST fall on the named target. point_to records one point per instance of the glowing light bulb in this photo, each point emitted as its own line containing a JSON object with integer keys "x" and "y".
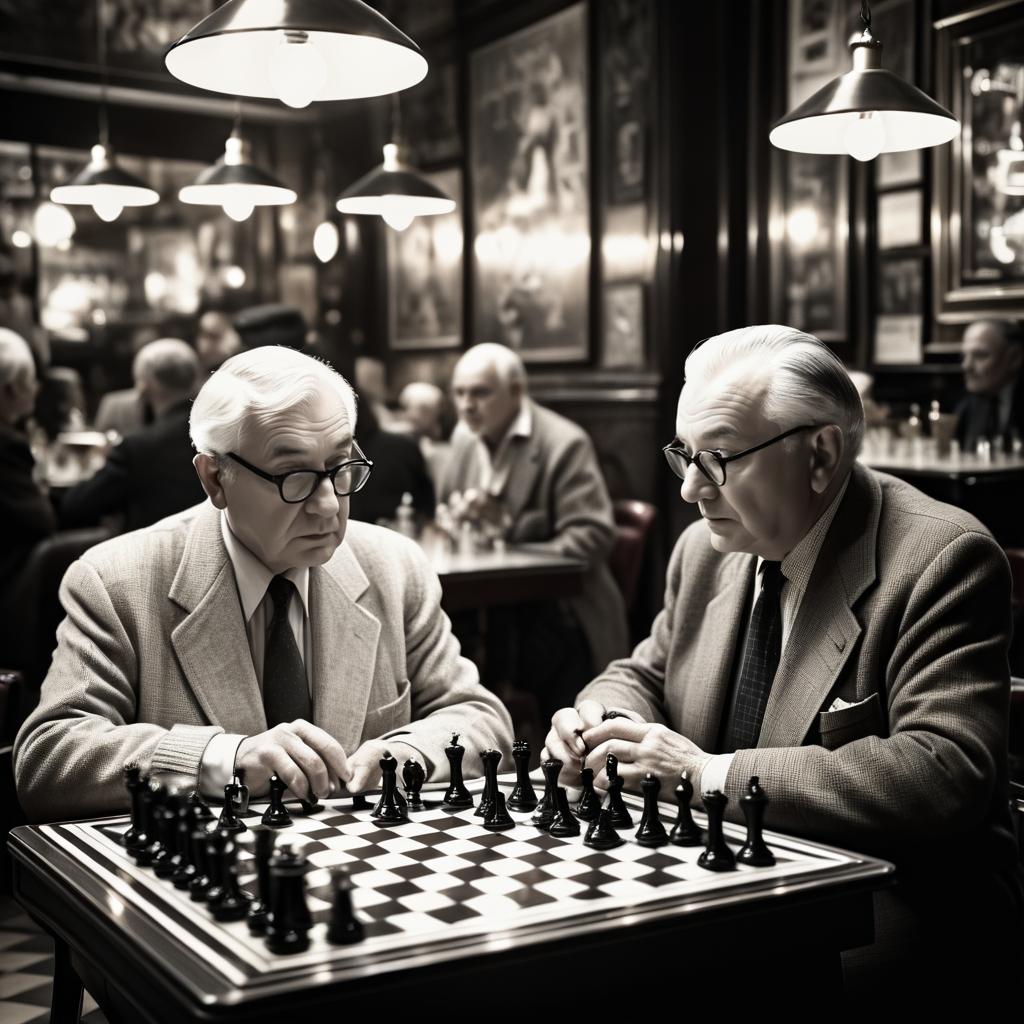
{"x": 297, "y": 70}
{"x": 107, "y": 208}
{"x": 325, "y": 242}
{"x": 865, "y": 138}
{"x": 21, "y": 239}
{"x": 237, "y": 208}
{"x": 398, "y": 219}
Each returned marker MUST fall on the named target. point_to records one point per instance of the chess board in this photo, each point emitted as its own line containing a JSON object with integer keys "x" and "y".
{"x": 442, "y": 881}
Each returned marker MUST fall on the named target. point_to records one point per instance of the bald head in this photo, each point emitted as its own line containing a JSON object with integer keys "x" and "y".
{"x": 17, "y": 377}
{"x": 488, "y": 386}
{"x": 166, "y": 372}
{"x": 991, "y": 354}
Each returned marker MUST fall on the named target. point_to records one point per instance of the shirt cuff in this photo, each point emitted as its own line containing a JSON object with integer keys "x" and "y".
{"x": 713, "y": 775}
{"x": 218, "y": 765}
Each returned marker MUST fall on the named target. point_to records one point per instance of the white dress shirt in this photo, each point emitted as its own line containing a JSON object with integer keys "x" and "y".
{"x": 490, "y": 472}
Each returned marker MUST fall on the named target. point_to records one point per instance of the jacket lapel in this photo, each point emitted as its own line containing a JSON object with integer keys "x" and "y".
{"x": 344, "y": 647}
{"x": 211, "y": 642}
{"x": 826, "y": 630}
{"x": 703, "y": 702}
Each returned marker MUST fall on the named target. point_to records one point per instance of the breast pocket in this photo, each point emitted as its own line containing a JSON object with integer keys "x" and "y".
{"x": 853, "y": 723}
{"x": 390, "y": 716}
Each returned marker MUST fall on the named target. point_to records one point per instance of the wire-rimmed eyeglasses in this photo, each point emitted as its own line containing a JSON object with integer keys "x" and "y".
{"x": 711, "y": 462}
{"x": 298, "y": 485}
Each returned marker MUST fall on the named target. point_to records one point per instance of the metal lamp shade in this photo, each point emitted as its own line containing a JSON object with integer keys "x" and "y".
{"x": 231, "y": 50}
{"x": 245, "y": 182}
{"x": 101, "y": 179}
{"x": 383, "y": 191}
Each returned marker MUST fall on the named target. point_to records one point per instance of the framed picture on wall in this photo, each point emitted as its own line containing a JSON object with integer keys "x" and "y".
{"x": 623, "y": 325}
{"x": 979, "y": 193}
{"x": 425, "y": 275}
{"x": 530, "y": 174}
{"x": 900, "y": 224}
{"x": 899, "y": 325}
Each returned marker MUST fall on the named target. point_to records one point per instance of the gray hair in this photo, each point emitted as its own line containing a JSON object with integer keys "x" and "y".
{"x": 1008, "y": 330}
{"x": 170, "y": 363}
{"x": 507, "y": 365}
{"x": 256, "y": 382}
{"x": 15, "y": 357}
{"x": 804, "y": 376}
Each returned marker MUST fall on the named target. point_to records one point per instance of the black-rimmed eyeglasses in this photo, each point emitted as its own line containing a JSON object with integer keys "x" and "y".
{"x": 298, "y": 485}
{"x": 712, "y": 463}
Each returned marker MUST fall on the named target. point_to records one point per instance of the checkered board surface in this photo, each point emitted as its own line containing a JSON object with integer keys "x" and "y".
{"x": 443, "y": 878}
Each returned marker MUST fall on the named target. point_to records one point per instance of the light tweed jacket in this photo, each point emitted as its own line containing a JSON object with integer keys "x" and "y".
{"x": 153, "y": 660}
{"x": 558, "y": 502}
{"x": 907, "y": 617}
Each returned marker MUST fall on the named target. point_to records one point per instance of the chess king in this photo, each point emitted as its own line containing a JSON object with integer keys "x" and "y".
{"x": 839, "y": 635}
{"x": 259, "y": 630}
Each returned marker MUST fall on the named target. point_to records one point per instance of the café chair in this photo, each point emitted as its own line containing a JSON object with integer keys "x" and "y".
{"x": 633, "y": 521}
{"x": 1015, "y": 556}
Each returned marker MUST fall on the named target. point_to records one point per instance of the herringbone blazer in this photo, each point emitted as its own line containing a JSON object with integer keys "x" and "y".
{"x": 559, "y": 502}
{"x": 152, "y": 660}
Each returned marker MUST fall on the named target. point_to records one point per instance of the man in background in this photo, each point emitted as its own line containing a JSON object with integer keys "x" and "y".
{"x": 148, "y": 475}
{"x": 992, "y": 352}
{"x": 423, "y": 409}
{"x": 216, "y": 341}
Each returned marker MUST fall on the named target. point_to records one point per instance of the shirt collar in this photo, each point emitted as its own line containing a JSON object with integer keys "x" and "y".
{"x": 253, "y": 577}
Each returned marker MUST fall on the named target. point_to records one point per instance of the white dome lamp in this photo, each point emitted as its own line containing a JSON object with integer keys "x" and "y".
{"x": 395, "y": 192}
{"x": 865, "y": 112}
{"x": 235, "y": 183}
{"x": 101, "y": 184}
{"x": 297, "y": 51}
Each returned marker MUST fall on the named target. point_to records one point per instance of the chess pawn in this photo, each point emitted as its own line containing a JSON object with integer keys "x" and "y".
{"x": 276, "y": 815}
{"x": 717, "y": 855}
{"x": 456, "y": 795}
{"x": 257, "y": 915}
{"x": 563, "y": 824}
{"x": 522, "y": 797}
{"x": 651, "y": 831}
{"x": 620, "y": 816}
{"x": 185, "y": 870}
{"x": 234, "y": 798}
{"x": 153, "y": 805}
{"x": 391, "y": 809}
{"x": 288, "y": 919}
{"x": 499, "y": 820}
{"x": 545, "y": 812}
{"x": 344, "y": 928}
{"x": 589, "y": 805}
{"x": 167, "y": 858}
{"x": 232, "y": 904}
{"x": 216, "y": 845}
{"x": 755, "y": 850}
{"x": 200, "y": 808}
{"x": 601, "y": 834}
{"x": 414, "y": 776}
{"x": 686, "y": 831}
{"x": 135, "y": 838}
{"x": 199, "y": 883}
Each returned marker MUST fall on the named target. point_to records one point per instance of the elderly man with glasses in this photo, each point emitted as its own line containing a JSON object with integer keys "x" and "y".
{"x": 260, "y": 630}
{"x": 835, "y": 633}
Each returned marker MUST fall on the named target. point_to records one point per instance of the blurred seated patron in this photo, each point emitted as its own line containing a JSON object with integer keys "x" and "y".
{"x": 271, "y": 324}
{"x": 993, "y": 408}
{"x": 126, "y": 410}
{"x": 26, "y": 515}
{"x": 841, "y": 636}
{"x": 216, "y": 341}
{"x": 149, "y": 474}
{"x": 424, "y": 410}
{"x": 259, "y": 630}
{"x": 532, "y": 476}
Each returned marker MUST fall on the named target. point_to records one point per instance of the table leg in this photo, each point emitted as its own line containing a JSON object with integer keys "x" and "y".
{"x": 66, "y": 1007}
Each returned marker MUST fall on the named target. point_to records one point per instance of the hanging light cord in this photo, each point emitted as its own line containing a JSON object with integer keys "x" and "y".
{"x": 101, "y": 52}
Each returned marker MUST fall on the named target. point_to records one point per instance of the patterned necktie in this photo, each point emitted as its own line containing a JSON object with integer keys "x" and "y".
{"x": 761, "y": 653}
{"x": 285, "y": 689}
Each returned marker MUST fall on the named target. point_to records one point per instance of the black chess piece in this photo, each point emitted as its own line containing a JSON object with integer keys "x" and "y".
{"x": 276, "y": 815}
{"x": 232, "y": 903}
{"x": 491, "y": 759}
{"x": 360, "y": 802}
{"x": 651, "y": 831}
{"x": 685, "y": 832}
{"x": 522, "y": 797}
{"x": 288, "y": 919}
{"x": 200, "y": 808}
{"x": 264, "y": 848}
{"x": 216, "y": 845}
{"x": 755, "y": 850}
{"x": 621, "y": 817}
{"x": 166, "y": 859}
{"x": 309, "y": 805}
{"x": 236, "y": 802}
{"x": 601, "y": 834}
{"x": 391, "y": 808}
{"x": 545, "y": 812}
{"x": 589, "y": 805}
{"x": 149, "y": 842}
{"x": 135, "y": 838}
{"x": 456, "y": 795}
{"x": 185, "y": 869}
{"x": 498, "y": 819}
{"x": 199, "y": 883}
{"x": 345, "y": 928}
{"x": 717, "y": 855}
{"x": 414, "y": 775}
{"x": 564, "y": 822}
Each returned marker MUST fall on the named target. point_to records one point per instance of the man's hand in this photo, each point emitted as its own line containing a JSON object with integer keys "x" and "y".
{"x": 641, "y": 748}
{"x": 566, "y": 740}
{"x": 364, "y": 764}
{"x": 307, "y": 759}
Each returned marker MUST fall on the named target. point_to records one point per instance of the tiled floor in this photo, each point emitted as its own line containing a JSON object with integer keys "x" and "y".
{"x": 26, "y": 971}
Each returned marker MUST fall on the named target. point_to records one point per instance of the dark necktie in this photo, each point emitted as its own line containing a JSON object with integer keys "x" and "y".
{"x": 760, "y": 660}
{"x": 285, "y": 689}
{"x": 991, "y": 424}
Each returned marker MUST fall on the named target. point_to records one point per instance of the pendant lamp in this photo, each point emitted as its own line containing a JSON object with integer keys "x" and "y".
{"x": 235, "y": 183}
{"x": 101, "y": 184}
{"x": 297, "y": 51}
{"x": 395, "y": 192}
{"x": 865, "y": 112}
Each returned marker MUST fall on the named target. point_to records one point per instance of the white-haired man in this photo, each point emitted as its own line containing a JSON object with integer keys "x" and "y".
{"x": 243, "y": 633}
{"x": 835, "y": 633}
{"x": 535, "y": 475}
{"x": 148, "y": 475}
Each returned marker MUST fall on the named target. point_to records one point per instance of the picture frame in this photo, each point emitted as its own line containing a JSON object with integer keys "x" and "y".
{"x": 624, "y": 334}
{"x": 978, "y": 244}
{"x": 425, "y": 273}
{"x": 529, "y": 168}
{"x": 900, "y": 222}
{"x": 899, "y": 324}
